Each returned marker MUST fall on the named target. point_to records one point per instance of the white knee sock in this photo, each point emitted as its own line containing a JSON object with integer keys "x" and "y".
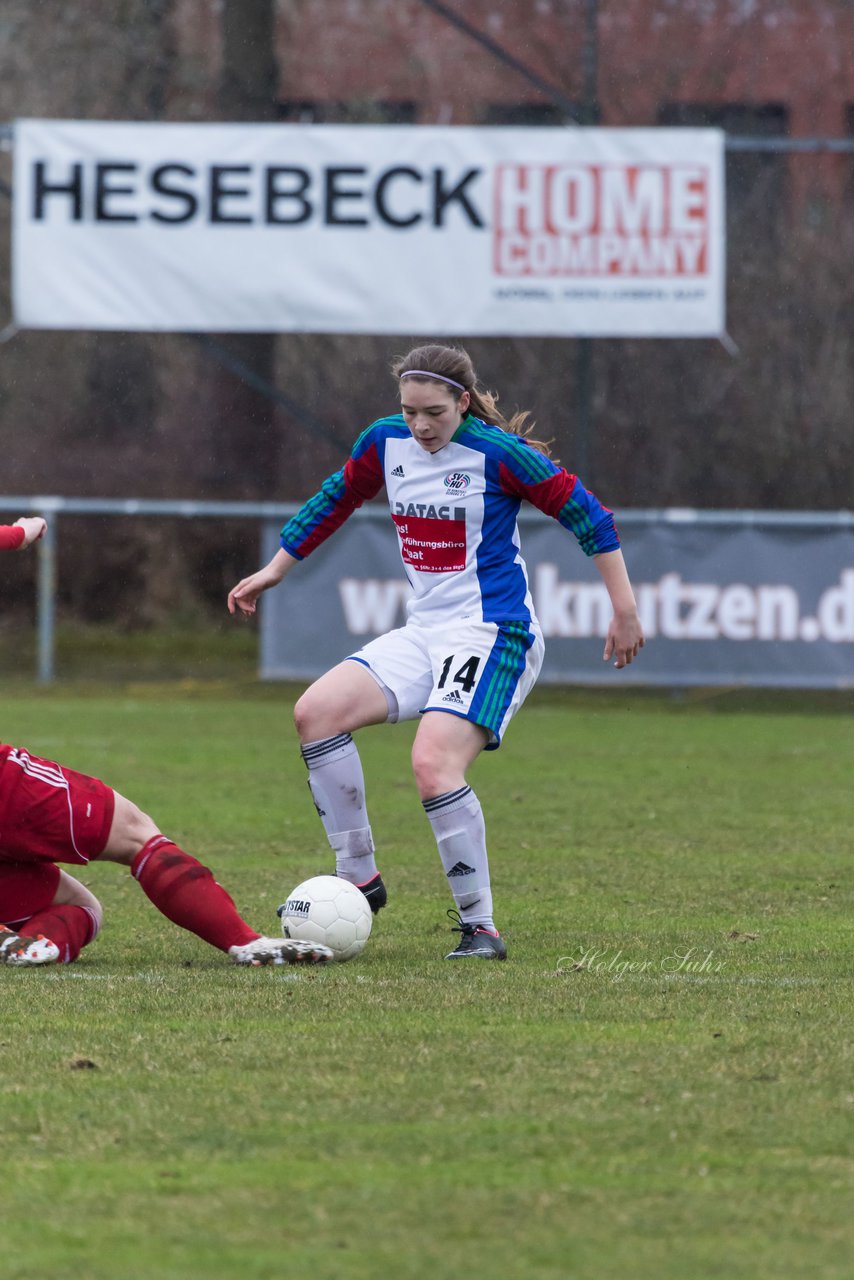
{"x": 457, "y": 822}
{"x": 338, "y": 788}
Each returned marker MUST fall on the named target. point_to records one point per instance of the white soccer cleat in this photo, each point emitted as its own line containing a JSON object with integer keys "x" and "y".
{"x": 23, "y": 951}
{"x": 280, "y": 951}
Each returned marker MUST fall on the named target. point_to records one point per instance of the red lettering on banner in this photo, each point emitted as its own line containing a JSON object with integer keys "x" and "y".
{"x": 602, "y": 220}
{"x": 433, "y": 546}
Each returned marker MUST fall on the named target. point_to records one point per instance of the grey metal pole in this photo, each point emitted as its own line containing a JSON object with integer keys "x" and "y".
{"x": 590, "y": 62}
{"x": 46, "y": 603}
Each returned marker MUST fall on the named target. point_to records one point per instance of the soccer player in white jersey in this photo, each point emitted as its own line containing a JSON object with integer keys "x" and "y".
{"x": 455, "y": 473}
{"x": 52, "y": 815}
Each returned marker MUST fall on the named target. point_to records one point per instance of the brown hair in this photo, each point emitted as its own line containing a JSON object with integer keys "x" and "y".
{"x": 456, "y": 364}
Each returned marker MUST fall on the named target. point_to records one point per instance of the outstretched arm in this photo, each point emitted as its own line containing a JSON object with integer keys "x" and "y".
{"x": 14, "y": 537}
{"x": 360, "y": 478}
{"x": 244, "y": 597}
{"x": 625, "y": 634}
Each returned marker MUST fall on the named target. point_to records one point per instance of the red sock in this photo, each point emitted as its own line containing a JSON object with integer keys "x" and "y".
{"x": 186, "y": 893}
{"x": 68, "y": 926}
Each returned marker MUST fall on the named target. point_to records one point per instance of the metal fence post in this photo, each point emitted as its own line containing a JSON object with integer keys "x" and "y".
{"x": 46, "y": 607}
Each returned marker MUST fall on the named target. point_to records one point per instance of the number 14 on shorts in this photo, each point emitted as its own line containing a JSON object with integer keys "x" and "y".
{"x": 465, "y": 675}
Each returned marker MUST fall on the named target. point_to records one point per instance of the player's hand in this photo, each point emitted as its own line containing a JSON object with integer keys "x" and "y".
{"x": 244, "y": 597}
{"x": 625, "y": 639}
{"x": 34, "y": 527}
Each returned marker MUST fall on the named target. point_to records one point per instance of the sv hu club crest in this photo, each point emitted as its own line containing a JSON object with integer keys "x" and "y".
{"x": 457, "y": 481}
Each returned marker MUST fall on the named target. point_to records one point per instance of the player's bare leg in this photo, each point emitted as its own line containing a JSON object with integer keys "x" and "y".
{"x": 346, "y": 698}
{"x": 445, "y": 747}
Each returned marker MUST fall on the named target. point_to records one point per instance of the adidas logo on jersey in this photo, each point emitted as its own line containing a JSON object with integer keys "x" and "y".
{"x": 398, "y": 471}
{"x": 460, "y": 869}
{"x": 454, "y": 697}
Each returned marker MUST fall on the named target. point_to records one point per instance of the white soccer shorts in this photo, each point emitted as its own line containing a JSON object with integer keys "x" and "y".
{"x": 481, "y": 671}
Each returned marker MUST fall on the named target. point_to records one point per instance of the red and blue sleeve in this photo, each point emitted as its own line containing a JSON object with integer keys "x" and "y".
{"x": 360, "y": 479}
{"x": 527, "y": 474}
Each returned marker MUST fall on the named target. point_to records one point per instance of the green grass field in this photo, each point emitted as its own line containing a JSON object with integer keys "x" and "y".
{"x": 658, "y": 1085}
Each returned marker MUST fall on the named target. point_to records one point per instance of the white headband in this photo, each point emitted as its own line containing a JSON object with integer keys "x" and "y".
{"x": 423, "y": 373}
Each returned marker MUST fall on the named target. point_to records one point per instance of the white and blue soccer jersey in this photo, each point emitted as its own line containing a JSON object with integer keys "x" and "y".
{"x": 455, "y": 513}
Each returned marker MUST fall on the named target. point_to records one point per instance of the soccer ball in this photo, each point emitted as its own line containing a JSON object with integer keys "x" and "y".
{"x": 328, "y": 910}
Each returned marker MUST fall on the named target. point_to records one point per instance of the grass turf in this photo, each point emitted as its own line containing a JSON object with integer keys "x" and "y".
{"x": 657, "y": 1084}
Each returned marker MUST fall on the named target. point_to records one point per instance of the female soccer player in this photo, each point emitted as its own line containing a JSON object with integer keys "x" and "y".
{"x": 50, "y": 814}
{"x": 455, "y": 474}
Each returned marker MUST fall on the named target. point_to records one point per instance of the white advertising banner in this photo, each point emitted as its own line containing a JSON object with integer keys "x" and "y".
{"x": 369, "y": 229}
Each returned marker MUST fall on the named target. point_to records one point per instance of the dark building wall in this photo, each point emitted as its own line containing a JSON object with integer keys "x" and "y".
{"x": 650, "y": 52}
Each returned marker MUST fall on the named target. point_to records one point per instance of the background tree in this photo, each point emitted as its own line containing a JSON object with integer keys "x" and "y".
{"x": 674, "y": 422}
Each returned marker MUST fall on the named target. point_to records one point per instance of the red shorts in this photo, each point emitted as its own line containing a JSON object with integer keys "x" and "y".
{"x": 26, "y": 888}
{"x": 50, "y": 813}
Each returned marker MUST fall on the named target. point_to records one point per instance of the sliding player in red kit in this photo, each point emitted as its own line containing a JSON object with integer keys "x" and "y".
{"x": 50, "y": 814}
